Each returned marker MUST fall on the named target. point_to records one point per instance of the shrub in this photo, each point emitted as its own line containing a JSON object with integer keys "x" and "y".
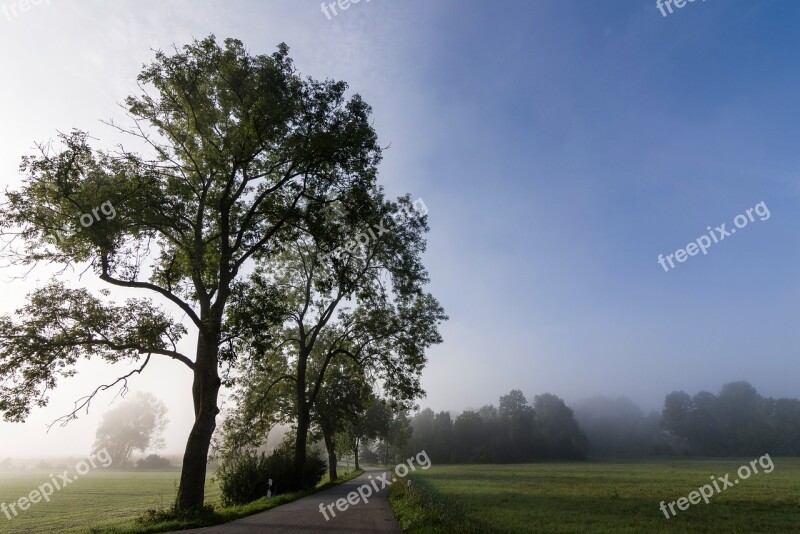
{"x": 153, "y": 461}
{"x": 244, "y": 477}
{"x": 157, "y": 516}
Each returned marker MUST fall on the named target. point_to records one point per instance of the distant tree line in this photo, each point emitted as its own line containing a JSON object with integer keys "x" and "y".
{"x": 153, "y": 461}
{"x": 514, "y": 431}
{"x": 737, "y": 422}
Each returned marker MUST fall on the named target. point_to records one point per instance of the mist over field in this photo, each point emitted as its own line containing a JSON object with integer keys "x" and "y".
{"x": 583, "y": 218}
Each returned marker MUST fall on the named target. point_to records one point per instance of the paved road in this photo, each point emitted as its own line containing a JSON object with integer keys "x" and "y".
{"x": 303, "y": 515}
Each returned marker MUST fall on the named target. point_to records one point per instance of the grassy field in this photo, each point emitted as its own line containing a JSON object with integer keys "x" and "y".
{"x": 604, "y": 497}
{"x": 103, "y": 500}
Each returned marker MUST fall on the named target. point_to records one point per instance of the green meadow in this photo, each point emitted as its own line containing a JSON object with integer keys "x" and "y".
{"x": 111, "y": 501}
{"x": 598, "y": 496}
{"x": 99, "y": 499}
{"x": 595, "y": 496}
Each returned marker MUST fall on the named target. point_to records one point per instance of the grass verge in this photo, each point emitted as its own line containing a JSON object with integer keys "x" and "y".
{"x": 422, "y": 510}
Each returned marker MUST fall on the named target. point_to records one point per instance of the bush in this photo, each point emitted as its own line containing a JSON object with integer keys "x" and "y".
{"x": 153, "y": 461}
{"x": 158, "y": 516}
{"x": 245, "y": 477}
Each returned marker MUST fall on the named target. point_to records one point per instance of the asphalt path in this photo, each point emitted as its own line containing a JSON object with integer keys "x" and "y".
{"x": 303, "y": 515}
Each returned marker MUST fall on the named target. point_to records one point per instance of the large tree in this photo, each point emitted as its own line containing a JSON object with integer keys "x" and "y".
{"x": 396, "y": 434}
{"x": 561, "y": 437}
{"x": 347, "y": 294}
{"x": 238, "y": 147}
{"x": 346, "y": 391}
{"x": 366, "y": 425}
{"x": 136, "y": 424}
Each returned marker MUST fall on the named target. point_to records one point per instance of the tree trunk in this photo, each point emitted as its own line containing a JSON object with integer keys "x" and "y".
{"x": 205, "y": 392}
{"x": 355, "y": 453}
{"x": 301, "y": 440}
{"x": 303, "y": 421}
{"x": 328, "y": 437}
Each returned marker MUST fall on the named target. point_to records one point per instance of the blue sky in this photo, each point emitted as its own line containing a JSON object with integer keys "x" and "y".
{"x": 583, "y": 140}
{"x": 560, "y": 147}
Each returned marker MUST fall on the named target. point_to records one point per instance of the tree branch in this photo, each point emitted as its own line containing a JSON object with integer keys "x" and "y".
{"x": 85, "y": 402}
{"x": 152, "y": 287}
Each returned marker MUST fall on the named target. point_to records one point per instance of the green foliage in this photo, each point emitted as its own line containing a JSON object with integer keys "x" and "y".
{"x": 362, "y": 312}
{"x": 244, "y": 477}
{"x": 58, "y": 326}
{"x": 345, "y": 392}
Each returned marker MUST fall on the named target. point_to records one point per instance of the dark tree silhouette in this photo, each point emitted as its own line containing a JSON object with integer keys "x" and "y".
{"x": 240, "y": 146}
